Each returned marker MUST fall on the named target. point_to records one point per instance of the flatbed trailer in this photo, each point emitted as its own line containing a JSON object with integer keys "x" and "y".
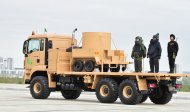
{"x": 140, "y": 77}
{"x": 140, "y": 86}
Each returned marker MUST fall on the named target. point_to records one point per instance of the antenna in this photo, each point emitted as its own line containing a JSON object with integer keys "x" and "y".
{"x": 113, "y": 43}
{"x": 45, "y": 30}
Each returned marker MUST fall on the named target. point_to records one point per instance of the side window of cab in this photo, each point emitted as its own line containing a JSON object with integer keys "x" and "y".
{"x": 33, "y": 45}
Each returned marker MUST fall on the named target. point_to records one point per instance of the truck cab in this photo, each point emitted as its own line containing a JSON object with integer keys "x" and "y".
{"x": 41, "y": 51}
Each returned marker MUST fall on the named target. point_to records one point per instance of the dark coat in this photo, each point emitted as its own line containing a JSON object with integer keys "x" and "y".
{"x": 172, "y": 48}
{"x": 154, "y": 50}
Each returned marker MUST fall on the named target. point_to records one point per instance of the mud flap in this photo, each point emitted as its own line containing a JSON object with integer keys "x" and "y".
{"x": 142, "y": 85}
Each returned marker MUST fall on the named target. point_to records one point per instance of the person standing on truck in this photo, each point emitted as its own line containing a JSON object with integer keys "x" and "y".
{"x": 154, "y": 54}
{"x": 138, "y": 53}
{"x": 172, "y": 52}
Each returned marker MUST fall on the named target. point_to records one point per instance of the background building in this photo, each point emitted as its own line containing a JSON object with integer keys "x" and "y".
{"x": 10, "y": 63}
{"x": 7, "y": 68}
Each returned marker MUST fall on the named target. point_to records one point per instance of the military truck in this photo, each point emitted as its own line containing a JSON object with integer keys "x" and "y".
{"x": 56, "y": 62}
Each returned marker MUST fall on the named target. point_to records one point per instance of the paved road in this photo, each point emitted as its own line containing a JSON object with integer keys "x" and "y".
{"x": 16, "y": 98}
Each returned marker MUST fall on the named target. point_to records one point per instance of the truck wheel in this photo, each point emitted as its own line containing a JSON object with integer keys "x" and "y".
{"x": 78, "y": 66}
{"x": 105, "y": 68}
{"x": 115, "y": 69}
{"x": 129, "y": 93}
{"x": 39, "y": 87}
{"x": 163, "y": 96}
{"x": 144, "y": 98}
{"x": 89, "y": 66}
{"x": 107, "y": 90}
{"x": 71, "y": 94}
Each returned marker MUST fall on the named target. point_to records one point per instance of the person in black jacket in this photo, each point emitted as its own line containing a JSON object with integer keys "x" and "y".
{"x": 154, "y": 53}
{"x": 172, "y": 52}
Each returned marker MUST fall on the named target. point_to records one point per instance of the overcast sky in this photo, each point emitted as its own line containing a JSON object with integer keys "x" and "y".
{"x": 125, "y": 19}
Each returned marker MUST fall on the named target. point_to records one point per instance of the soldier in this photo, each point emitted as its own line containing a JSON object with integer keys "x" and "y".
{"x": 154, "y": 53}
{"x": 172, "y": 52}
{"x": 138, "y": 53}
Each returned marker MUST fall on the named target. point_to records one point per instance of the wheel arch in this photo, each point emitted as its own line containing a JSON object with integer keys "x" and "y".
{"x": 45, "y": 74}
{"x": 38, "y": 73}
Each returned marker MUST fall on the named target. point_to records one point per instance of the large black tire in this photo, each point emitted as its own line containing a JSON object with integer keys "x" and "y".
{"x": 105, "y": 68}
{"x": 78, "y": 66}
{"x": 117, "y": 69}
{"x": 144, "y": 98}
{"x": 39, "y": 87}
{"x": 89, "y": 66}
{"x": 129, "y": 93}
{"x": 163, "y": 96}
{"x": 107, "y": 90}
{"x": 71, "y": 94}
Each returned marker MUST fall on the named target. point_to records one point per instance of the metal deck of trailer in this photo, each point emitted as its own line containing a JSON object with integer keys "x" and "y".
{"x": 127, "y": 74}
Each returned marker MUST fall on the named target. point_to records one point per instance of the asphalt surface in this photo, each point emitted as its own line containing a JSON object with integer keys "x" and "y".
{"x": 17, "y": 98}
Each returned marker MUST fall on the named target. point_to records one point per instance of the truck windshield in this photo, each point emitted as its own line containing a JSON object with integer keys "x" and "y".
{"x": 33, "y": 45}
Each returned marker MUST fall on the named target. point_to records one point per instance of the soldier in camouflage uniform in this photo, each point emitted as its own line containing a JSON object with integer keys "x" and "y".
{"x": 138, "y": 53}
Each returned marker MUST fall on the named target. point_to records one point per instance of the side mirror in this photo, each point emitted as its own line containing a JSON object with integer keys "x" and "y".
{"x": 50, "y": 45}
{"x": 25, "y": 47}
